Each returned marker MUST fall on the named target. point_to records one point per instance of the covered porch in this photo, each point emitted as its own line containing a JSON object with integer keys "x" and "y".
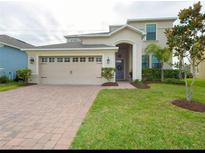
{"x": 124, "y": 62}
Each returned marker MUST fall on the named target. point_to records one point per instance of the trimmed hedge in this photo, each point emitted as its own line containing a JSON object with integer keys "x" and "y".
{"x": 154, "y": 74}
{"x": 4, "y": 79}
{"x": 174, "y": 81}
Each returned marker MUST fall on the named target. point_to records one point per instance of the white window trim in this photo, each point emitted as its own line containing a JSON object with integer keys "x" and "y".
{"x": 146, "y": 31}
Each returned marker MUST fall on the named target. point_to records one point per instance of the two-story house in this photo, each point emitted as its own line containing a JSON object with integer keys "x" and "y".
{"x": 80, "y": 59}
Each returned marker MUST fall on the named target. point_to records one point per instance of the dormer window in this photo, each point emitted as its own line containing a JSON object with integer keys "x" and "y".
{"x": 150, "y": 31}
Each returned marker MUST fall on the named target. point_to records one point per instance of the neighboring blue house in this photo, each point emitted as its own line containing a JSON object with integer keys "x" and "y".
{"x": 11, "y": 56}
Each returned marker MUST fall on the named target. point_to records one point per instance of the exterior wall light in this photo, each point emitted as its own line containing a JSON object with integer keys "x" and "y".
{"x": 108, "y": 60}
{"x": 32, "y": 60}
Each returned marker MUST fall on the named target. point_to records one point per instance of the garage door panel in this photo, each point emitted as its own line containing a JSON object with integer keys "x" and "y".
{"x": 70, "y": 73}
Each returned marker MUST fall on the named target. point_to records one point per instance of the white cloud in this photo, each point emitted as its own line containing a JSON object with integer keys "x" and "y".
{"x": 45, "y": 21}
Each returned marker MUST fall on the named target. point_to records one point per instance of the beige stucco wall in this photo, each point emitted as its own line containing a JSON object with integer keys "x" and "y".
{"x": 125, "y": 35}
{"x": 36, "y": 54}
{"x": 160, "y": 36}
{"x": 201, "y": 73}
{"x": 160, "y": 25}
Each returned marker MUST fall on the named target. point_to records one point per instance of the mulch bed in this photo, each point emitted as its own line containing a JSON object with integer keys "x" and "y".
{"x": 110, "y": 84}
{"x": 31, "y": 84}
{"x": 140, "y": 85}
{"x": 193, "y": 106}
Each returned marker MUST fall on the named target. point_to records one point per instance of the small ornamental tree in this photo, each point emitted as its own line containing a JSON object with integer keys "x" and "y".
{"x": 24, "y": 74}
{"x": 190, "y": 41}
{"x": 175, "y": 42}
{"x": 163, "y": 54}
{"x": 108, "y": 73}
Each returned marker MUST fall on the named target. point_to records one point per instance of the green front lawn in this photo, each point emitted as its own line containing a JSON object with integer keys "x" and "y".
{"x": 198, "y": 82}
{"x": 9, "y": 86}
{"x": 142, "y": 119}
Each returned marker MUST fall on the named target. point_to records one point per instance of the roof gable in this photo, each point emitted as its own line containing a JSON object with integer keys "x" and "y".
{"x": 109, "y": 33}
{"x": 129, "y": 27}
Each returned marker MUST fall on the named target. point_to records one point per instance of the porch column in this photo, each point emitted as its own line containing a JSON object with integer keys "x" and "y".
{"x": 37, "y": 64}
{"x": 137, "y": 61}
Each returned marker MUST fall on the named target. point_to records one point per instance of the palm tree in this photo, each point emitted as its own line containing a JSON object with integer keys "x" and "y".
{"x": 163, "y": 54}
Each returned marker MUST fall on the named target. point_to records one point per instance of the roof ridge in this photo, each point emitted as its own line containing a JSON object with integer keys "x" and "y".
{"x": 151, "y": 18}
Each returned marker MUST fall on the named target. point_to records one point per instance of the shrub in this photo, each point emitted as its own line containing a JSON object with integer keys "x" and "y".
{"x": 137, "y": 81}
{"x": 4, "y": 79}
{"x": 153, "y": 74}
{"x": 24, "y": 74}
{"x": 107, "y": 73}
{"x": 173, "y": 81}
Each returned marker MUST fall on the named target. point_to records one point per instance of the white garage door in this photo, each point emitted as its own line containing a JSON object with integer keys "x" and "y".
{"x": 70, "y": 70}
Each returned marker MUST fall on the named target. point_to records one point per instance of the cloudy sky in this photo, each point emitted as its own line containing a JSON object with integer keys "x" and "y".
{"x": 47, "y": 21}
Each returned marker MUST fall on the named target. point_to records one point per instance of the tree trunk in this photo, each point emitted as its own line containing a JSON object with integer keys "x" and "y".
{"x": 192, "y": 83}
{"x": 186, "y": 86}
{"x": 180, "y": 66}
{"x": 189, "y": 88}
{"x": 162, "y": 72}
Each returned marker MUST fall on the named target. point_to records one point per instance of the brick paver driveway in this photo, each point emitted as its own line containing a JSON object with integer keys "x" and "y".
{"x": 43, "y": 117}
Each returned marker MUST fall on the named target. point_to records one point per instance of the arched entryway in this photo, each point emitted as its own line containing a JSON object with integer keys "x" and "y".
{"x": 123, "y": 59}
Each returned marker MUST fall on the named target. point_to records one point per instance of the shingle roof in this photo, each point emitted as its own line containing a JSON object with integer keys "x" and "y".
{"x": 77, "y": 35}
{"x": 106, "y": 34}
{"x": 8, "y": 40}
{"x": 70, "y": 45}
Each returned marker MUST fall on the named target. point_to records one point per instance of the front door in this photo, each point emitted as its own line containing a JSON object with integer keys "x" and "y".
{"x": 119, "y": 69}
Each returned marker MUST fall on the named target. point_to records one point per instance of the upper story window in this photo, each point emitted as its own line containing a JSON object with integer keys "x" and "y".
{"x": 145, "y": 61}
{"x": 150, "y": 31}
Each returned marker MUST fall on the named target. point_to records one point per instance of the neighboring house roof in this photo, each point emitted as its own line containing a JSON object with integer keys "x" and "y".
{"x": 72, "y": 46}
{"x": 13, "y": 42}
{"x": 106, "y": 34}
{"x": 152, "y": 19}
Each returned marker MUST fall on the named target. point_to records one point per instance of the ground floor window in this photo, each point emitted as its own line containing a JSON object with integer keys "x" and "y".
{"x": 66, "y": 59}
{"x": 51, "y": 59}
{"x": 44, "y": 59}
{"x": 145, "y": 61}
{"x": 98, "y": 59}
{"x": 91, "y": 59}
{"x": 155, "y": 62}
{"x": 82, "y": 59}
{"x": 60, "y": 59}
{"x": 75, "y": 59}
